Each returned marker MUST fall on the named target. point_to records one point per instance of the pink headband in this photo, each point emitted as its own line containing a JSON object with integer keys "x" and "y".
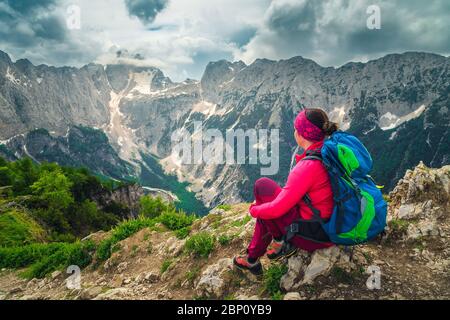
{"x": 307, "y": 129}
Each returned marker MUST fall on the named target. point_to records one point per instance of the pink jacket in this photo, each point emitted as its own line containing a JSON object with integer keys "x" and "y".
{"x": 309, "y": 176}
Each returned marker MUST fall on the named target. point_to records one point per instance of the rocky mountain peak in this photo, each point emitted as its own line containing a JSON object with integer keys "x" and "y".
{"x": 4, "y": 57}
{"x": 218, "y": 73}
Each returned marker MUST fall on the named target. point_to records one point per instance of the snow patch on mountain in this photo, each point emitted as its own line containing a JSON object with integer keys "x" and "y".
{"x": 11, "y": 77}
{"x": 338, "y": 115}
{"x": 208, "y": 109}
{"x": 390, "y": 121}
{"x": 142, "y": 82}
{"x": 119, "y": 132}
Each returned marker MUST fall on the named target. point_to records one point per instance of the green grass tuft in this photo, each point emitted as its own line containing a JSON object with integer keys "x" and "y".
{"x": 121, "y": 232}
{"x": 42, "y": 259}
{"x": 201, "y": 244}
{"x": 272, "y": 278}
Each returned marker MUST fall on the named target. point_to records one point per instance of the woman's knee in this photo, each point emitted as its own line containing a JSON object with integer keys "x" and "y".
{"x": 266, "y": 187}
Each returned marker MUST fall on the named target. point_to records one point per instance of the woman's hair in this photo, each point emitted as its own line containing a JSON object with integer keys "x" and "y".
{"x": 320, "y": 119}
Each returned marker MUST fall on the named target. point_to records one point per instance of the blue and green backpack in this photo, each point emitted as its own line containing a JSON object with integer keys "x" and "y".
{"x": 359, "y": 212}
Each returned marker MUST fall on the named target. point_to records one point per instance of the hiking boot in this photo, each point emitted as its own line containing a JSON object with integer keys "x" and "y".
{"x": 242, "y": 263}
{"x": 280, "y": 249}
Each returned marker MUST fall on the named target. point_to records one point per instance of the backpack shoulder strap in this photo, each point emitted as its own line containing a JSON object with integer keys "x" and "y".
{"x": 313, "y": 155}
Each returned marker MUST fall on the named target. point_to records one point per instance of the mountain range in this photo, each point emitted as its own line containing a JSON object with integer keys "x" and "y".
{"x": 117, "y": 120}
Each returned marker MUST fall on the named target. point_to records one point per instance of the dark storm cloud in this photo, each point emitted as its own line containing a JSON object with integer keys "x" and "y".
{"x": 27, "y": 6}
{"x": 243, "y": 36}
{"x": 145, "y": 10}
{"x": 36, "y": 30}
{"x": 26, "y": 22}
{"x": 415, "y": 26}
{"x": 335, "y": 31}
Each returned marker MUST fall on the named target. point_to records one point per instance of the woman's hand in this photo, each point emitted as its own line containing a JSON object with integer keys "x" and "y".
{"x": 252, "y": 205}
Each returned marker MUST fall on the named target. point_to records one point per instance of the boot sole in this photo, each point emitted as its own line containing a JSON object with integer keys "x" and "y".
{"x": 257, "y": 272}
{"x": 287, "y": 255}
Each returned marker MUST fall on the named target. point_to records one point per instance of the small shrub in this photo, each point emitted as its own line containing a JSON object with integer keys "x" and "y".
{"x": 272, "y": 278}
{"x": 150, "y": 248}
{"x": 153, "y": 207}
{"x": 201, "y": 244}
{"x": 343, "y": 276}
{"x": 17, "y": 228}
{"x": 121, "y": 232}
{"x": 42, "y": 259}
{"x": 242, "y": 222}
{"x": 134, "y": 250}
{"x": 225, "y": 240}
{"x": 399, "y": 225}
{"x": 277, "y": 296}
{"x": 225, "y": 207}
{"x": 174, "y": 220}
{"x": 191, "y": 275}
{"x": 166, "y": 265}
{"x": 183, "y": 233}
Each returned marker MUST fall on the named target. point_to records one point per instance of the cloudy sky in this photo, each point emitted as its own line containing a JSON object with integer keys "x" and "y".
{"x": 182, "y": 36}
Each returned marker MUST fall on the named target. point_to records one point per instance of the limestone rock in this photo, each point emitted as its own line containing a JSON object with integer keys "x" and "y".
{"x": 296, "y": 266}
{"x": 122, "y": 267}
{"x": 304, "y": 268}
{"x": 321, "y": 263}
{"x": 212, "y": 283}
{"x": 91, "y": 293}
{"x": 113, "y": 294}
{"x": 292, "y": 296}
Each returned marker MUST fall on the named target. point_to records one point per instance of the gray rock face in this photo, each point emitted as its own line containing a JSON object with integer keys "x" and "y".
{"x": 421, "y": 202}
{"x": 212, "y": 282}
{"x": 79, "y": 146}
{"x": 52, "y": 98}
{"x": 393, "y": 104}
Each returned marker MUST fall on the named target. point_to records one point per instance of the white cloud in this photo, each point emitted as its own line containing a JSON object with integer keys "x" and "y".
{"x": 183, "y": 36}
{"x": 335, "y": 32}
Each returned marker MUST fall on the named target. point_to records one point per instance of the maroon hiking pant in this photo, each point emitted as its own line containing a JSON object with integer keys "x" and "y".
{"x": 266, "y": 190}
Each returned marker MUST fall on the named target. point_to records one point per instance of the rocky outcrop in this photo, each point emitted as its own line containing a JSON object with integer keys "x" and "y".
{"x": 212, "y": 281}
{"x": 126, "y": 196}
{"x": 421, "y": 202}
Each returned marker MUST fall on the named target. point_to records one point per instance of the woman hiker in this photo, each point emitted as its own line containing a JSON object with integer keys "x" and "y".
{"x": 275, "y": 208}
